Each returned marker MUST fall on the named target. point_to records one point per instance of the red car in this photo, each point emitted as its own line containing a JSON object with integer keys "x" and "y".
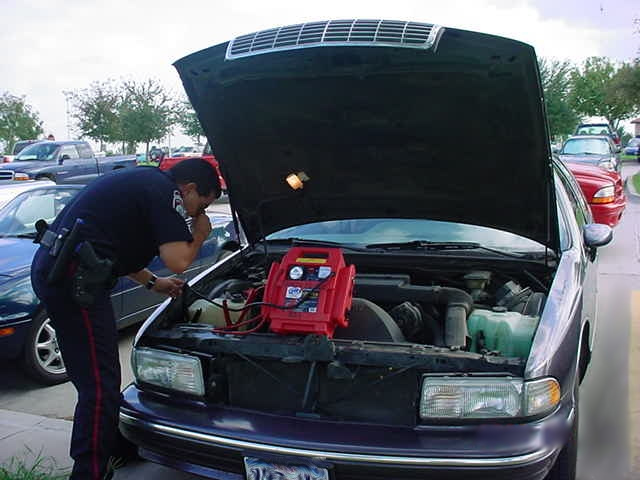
{"x": 603, "y": 190}
{"x": 167, "y": 162}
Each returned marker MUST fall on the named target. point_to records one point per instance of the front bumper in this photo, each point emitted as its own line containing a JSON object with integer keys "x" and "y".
{"x": 609, "y": 213}
{"x": 212, "y": 442}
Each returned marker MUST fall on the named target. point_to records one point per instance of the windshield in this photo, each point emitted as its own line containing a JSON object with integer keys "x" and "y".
{"x": 38, "y": 151}
{"x": 634, "y": 142}
{"x": 19, "y": 216}
{"x": 588, "y": 146}
{"x": 593, "y": 130}
{"x": 382, "y": 230}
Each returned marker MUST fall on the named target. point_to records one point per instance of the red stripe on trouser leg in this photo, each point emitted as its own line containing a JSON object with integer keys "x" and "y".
{"x": 97, "y": 410}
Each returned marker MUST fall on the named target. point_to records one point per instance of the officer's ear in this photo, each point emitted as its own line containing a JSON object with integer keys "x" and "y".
{"x": 186, "y": 188}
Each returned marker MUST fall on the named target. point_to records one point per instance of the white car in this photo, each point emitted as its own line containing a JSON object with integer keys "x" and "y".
{"x": 9, "y": 191}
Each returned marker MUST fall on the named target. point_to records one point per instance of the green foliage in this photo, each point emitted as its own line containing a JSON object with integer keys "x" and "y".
{"x": 18, "y": 120}
{"x": 96, "y": 111}
{"x": 146, "y": 112}
{"x": 626, "y": 84}
{"x": 188, "y": 120}
{"x": 556, "y": 83}
{"x": 593, "y": 92}
{"x": 41, "y": 468}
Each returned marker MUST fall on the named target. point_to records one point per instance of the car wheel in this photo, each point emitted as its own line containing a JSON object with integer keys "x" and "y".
{"x": 42, "y": 358}
{"x": 565, "y": 466}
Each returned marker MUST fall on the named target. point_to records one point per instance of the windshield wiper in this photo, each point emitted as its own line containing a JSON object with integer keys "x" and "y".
{"x": 428, "y": 245}
{"x": 317, "y": 243}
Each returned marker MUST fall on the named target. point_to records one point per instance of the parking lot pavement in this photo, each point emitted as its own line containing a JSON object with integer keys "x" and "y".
{"x": 27, "y": 439}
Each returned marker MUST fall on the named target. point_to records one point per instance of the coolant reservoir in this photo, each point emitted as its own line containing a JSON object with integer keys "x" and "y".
{"x": 212, "y": 314}
{"x": 510, "y": 333}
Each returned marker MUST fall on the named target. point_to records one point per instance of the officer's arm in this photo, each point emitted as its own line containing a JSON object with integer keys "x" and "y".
{"x": 177, "y": 256}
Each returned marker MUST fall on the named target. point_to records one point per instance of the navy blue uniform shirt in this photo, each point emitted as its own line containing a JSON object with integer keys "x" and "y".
{"x": 127, "y": 215}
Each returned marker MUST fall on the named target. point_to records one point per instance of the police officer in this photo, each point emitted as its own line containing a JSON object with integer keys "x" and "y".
{"x": 128, "y": 217}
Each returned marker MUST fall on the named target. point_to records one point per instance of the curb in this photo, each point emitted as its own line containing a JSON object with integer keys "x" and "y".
{"x": 630, "y": 187}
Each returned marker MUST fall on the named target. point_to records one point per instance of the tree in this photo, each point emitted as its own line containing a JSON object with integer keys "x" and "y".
{"x": 18, "y": 120}
{"x": 626, "y": 84}
{"x": 556, "y": 83}
{"x": 96, "y": 111}
{"x": 594, "y": 94}
{"x": 146, "y": 112}
{"x": 188, "y": 120}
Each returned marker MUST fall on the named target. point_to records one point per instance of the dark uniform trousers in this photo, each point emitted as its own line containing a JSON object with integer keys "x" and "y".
{"x": 89, "y": 344}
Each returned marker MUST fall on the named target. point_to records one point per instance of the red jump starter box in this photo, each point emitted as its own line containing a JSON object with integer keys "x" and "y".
{"x": 322, "y": 276}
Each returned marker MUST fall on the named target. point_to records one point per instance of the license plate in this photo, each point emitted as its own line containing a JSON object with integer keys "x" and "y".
{"x": 258, "y": 469}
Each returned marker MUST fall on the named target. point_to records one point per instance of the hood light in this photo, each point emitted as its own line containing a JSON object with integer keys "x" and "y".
{"x": 296, "y": 180}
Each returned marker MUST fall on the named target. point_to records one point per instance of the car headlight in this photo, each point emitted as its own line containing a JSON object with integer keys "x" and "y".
{"x": 486, "y": 398}
{"x": 604, "y": 195}
{"x": 174, "y": 371}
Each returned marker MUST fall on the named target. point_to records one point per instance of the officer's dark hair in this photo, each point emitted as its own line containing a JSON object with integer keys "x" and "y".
{"x": 200, "y": 172}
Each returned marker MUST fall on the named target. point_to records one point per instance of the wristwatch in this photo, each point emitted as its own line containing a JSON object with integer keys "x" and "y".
{"x": 151, "y": 282}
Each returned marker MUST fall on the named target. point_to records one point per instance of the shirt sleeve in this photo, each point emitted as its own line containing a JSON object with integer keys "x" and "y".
{"x": 167, "y": 215}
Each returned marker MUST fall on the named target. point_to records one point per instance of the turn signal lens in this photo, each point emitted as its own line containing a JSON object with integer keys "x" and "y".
{"x": 604, "y": 195}
{"x": 20, "y": 176}
{"x": 5, "y": 332}
{"x": 541, "y": 396}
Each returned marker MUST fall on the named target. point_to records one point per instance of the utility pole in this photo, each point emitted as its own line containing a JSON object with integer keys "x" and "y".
{"x": 67, "y": 94}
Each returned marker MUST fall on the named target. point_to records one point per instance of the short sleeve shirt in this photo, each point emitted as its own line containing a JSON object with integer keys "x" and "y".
{"x": 128, "y": 214}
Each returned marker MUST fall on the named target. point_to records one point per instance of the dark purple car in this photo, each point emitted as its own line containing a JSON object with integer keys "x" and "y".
{"x": 473, "y": 300}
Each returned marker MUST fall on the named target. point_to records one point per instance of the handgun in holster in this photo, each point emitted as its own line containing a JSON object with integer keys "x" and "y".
{"x": 93, "y": 277}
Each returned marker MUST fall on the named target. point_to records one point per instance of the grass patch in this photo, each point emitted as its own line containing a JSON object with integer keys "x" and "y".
{"x": 628, "y": 158}
{"x": 42, "y": 468}
{"x": 635, "y": 180}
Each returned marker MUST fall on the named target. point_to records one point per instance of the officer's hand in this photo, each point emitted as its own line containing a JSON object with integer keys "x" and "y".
{"x": 171, "y": 286}
{"x": 202, "y": 226}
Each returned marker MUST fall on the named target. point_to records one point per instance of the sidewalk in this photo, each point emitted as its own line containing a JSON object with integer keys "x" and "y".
{"x": 27, "y": 438}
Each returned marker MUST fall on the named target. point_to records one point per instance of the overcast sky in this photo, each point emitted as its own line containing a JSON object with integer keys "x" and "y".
{"x": 55, "y": 45}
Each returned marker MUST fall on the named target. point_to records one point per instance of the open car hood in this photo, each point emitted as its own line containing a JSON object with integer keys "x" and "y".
{"x": 386, "y": 119}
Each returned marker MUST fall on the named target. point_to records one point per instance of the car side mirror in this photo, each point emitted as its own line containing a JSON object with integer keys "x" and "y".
{"x": 597, "y": 235}
{"x": 63, "y": 158}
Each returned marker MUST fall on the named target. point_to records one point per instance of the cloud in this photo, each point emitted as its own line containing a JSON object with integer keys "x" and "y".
{"x": 58, "y": 45}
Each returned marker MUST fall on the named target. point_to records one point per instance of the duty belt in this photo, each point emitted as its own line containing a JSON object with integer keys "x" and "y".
{"x": 61, "y": 246}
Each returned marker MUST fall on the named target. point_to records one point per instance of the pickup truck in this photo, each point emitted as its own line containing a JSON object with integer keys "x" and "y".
{"x": 61, "y": 162}
{"x": 207, "y": 154}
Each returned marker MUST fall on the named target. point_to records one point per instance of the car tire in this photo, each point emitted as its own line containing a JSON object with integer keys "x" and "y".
{"x": 565, "y": 466}
{"x": 41, "y": 355}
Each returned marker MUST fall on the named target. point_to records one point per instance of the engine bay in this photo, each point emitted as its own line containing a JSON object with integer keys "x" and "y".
{"x": 479, "y": 311}
{"x": 356, "y": 350}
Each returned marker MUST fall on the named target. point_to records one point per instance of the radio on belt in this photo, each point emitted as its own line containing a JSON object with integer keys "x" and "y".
{"x": 301, "y": 270}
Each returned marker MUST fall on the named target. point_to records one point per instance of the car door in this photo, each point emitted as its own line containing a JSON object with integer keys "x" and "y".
{"x": 68, "y": 159}
{"x": 137, "y": 302}
{"x": 583, "y": 216}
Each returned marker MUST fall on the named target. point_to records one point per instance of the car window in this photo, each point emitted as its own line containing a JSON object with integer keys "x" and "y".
{"x": 70, "y": 151}
{"x": 84, "y": 151}
{"x": 19, "y": 216}
{"x": 586, "y": 146}
{"x": 579, "y": 205}
{"x": 38, "y": 151}
{"x": 563, "y": 227}
{"x": 593, "y": 130}
{"x": 633, "y": 142}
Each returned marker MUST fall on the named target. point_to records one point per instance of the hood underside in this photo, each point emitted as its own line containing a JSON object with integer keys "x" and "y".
{"x": 449, "y": 129}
